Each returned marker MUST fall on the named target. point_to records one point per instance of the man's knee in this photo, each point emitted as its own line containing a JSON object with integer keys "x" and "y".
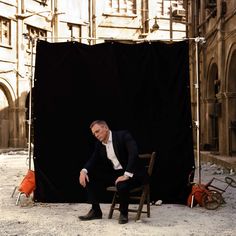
{"x": 122, "y": 186}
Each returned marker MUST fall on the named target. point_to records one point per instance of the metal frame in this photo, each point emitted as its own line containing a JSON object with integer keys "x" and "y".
{"x": 32, "y": 44}
{"x": 198, "y": 40}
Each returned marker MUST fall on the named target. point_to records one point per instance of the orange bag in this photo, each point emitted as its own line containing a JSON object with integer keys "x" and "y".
{"x": 195, "y": 197}
{"x": 27, "y": 185}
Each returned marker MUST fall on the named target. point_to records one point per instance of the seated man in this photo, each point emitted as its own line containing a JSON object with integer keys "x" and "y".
{"x": 117, "y": 153}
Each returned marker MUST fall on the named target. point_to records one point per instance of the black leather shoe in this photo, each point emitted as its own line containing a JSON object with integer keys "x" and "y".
{"x": 123, "y": 219}
{"x": 92, "y": 215}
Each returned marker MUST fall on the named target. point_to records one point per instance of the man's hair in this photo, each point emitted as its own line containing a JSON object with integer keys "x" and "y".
{"x": 99, "y": 122}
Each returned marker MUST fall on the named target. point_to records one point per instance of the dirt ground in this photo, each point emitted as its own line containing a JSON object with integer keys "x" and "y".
{"x": 37, "y": 219}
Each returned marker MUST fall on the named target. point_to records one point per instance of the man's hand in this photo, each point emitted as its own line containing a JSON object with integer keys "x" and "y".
{"x": 122, "y": 178}
{"x": 83, "y": 178}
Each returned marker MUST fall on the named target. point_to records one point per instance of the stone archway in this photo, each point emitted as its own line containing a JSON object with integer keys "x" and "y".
{"x": 214, "y": 107}
{"x": 4, "y": 120}
{"x": 231, "y": 94}
{"x": 6, "y": 116}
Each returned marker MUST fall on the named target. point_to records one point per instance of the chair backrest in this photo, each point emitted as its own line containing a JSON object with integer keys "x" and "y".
{"x": 148, "y": 159}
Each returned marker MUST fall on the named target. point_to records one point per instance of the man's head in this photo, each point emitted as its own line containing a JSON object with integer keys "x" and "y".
{"x": 100, "y": 130}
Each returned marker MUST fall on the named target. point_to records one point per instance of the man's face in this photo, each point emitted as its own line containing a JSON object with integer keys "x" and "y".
{"x": 101, "y": 132}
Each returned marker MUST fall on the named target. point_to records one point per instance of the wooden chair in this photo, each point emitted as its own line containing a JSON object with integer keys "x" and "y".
{"x": 140, "y": 194}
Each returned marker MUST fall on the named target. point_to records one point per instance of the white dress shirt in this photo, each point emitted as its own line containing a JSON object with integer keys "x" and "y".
{"x": 112, "y": 156}
{"x": 111, "y": 153}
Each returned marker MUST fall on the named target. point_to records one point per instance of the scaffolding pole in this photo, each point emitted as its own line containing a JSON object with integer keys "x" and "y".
{"x": 32, "y": 43}
{"x": 198, "y": 40}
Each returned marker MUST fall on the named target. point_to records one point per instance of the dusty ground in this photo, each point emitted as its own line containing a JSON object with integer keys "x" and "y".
{"x": 29, "y": 218}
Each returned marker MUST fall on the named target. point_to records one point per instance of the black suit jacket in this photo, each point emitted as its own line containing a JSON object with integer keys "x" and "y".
{"x": 126, "y": 150}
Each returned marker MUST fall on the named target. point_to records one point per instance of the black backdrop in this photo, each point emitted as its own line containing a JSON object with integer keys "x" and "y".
{"x": 140, "y": 87}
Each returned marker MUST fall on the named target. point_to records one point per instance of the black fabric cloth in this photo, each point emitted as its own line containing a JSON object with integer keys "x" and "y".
{"x": 143, "y": 88}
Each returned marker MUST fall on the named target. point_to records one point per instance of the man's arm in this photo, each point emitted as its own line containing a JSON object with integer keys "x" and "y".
{"x": 132, "y": 149}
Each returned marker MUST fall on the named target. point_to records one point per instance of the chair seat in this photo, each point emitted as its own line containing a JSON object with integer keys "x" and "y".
{"x": 112, "y": 188}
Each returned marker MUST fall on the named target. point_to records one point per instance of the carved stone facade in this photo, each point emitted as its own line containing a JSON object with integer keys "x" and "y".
{"x": 215, "y": 22}
{"x": 23, "y": 22}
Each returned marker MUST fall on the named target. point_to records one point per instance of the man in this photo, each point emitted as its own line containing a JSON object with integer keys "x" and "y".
{"x": 116, "y": 154}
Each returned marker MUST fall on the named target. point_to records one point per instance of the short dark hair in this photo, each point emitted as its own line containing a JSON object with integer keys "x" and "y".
{"x": 99, "y": 122}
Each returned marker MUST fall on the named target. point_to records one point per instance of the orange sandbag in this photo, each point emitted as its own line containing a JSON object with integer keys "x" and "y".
{"x": 195, "y": 197}
{"x": 27, "y": 185}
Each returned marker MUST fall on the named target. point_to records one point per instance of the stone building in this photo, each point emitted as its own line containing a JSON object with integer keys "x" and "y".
{"x": 214, "y": 21}
{"x": 23, "y": 22}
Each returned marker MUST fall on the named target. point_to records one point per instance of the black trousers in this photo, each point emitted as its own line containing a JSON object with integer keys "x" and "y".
{"x": 97, "y": 193}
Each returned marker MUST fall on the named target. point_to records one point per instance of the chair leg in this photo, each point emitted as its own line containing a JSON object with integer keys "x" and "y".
{"x": 140, "y": 207}
{"x": 148, "y": 202}
{"x": 112, "y": 206}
